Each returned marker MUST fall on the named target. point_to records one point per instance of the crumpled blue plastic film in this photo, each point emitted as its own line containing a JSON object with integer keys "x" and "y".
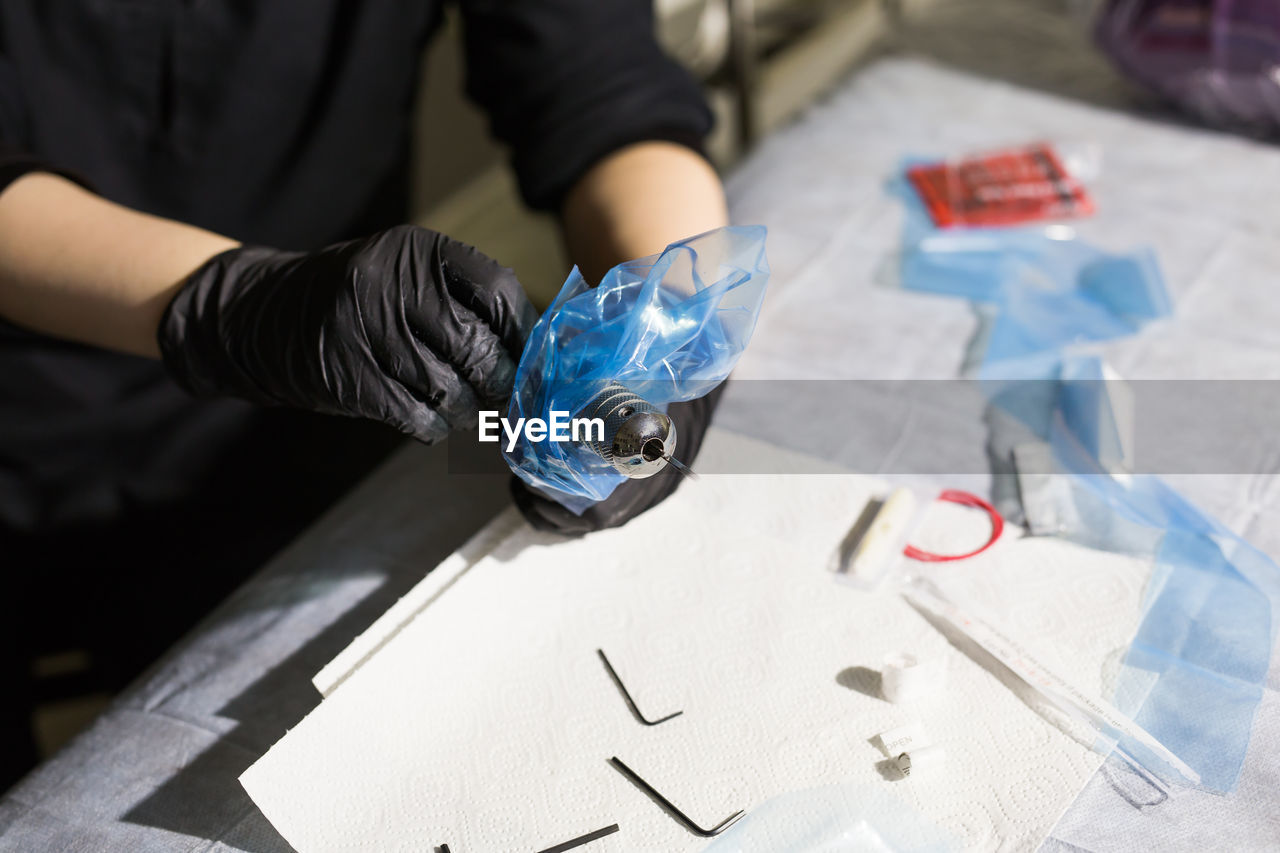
{"x": 1047, "y": 289}
{"x": 1195, "y": 672}
{"x": 669, "y": 327}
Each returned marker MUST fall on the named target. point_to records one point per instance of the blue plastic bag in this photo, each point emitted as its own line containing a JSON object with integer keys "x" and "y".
{"x": 668, "y": 327}
{"x": 1047, "y": 289}
{"x": 1195, "y": 672}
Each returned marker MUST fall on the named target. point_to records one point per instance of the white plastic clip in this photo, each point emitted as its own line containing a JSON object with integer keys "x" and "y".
{"x": 903, "y": 739}
{"x": 906, "y": 678}
{"x": 909, "y": 748}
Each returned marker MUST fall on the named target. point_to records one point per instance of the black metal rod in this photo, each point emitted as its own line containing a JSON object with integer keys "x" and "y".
{"x": 581, "y": 840}
{"x": 626, "y": 694}
{"x": 666, "y": 804}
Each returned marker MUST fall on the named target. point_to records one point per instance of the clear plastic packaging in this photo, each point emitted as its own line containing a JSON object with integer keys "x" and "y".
{"x": 1112, "y": 727}
{"x": 1195, "y": 673}
{"x": 1044, "y": 288}
{"x": 877, "y": 546}
{"x": 1009, "y": 186}
{"x": 667, "y": 328}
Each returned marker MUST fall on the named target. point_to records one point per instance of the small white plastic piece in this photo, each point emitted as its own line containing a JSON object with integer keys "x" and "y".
{"x": 925, "y": 758}
{"x": 905, "y": 678}
{"x": 903, "y": 739}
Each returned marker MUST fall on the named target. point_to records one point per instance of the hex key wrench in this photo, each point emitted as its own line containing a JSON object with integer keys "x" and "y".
{"x": 669, "y": 807}
{"x": 626, "y": 694}
{"x": 581, "y": 840}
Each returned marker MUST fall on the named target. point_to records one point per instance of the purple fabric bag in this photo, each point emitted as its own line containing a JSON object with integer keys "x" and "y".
{"x": 1217, "y": 59}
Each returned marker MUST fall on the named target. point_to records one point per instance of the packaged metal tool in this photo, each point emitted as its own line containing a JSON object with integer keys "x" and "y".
{"x": 654, "y": 331}
{"x": 1012, "y": 186}
{"x": 878, "y": 543}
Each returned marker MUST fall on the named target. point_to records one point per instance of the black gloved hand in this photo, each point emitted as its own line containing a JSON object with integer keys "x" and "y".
{"x": 406, "y": 327}
{"x": 634, "y": 496}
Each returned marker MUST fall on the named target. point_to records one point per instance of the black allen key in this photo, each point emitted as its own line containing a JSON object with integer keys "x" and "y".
{"x": 669, "y": 807}
{"x": 626, "y": 694}
{"x": 581, "y": 840}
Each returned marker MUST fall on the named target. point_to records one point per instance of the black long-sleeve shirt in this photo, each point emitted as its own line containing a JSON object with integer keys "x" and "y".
{"x": 276, "y": 122}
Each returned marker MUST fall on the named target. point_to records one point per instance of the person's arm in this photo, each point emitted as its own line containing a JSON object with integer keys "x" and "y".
{"x": 636, "y": 201}
{"x": 630, "y": 204}
{"x": 405, "y": 326}
{"x": 571, "y": 85}
{"x": 607, "y": 130}
{"x": 76, "y": 266}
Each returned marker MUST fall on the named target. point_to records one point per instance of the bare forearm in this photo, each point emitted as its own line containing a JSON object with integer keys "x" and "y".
{"x": 636, "y": 201}
{"x": 77, "y": 266}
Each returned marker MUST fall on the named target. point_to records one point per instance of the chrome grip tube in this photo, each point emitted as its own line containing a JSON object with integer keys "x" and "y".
{"x": 638, "y": 438}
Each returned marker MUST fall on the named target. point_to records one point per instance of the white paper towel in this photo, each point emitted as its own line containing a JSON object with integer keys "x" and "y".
{"x": 487, "y": 721}
{"x": 371, "y": 640}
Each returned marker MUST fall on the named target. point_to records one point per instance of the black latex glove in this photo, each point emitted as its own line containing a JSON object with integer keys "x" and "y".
{"x": 406, "y": 327}
{"x": 633, "y": 496}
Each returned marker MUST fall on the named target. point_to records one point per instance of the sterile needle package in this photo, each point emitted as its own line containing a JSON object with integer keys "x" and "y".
{"x": 658, "y": 330}
{"x": 1011, "y": 186}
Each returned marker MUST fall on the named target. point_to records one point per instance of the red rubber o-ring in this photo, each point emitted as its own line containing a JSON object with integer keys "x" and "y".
{"x": 955, "y": 496}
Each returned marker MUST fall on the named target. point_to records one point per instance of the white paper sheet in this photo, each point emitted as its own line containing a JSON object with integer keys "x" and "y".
{"x": 487, "y": 721}
{"x": 400, "y": 614}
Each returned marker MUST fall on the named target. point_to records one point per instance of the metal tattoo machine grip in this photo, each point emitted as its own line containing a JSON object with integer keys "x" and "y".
{"x": 653, "y": 332}
{"x": 638, "y": 439}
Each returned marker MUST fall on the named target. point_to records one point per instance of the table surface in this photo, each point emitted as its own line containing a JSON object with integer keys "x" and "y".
{"x": 158, "y": 770}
